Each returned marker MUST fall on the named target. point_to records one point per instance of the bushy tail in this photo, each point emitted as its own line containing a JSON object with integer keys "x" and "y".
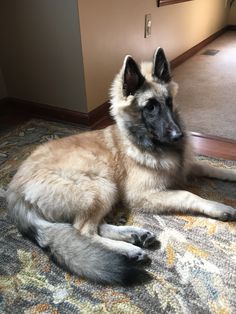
{"x": 81, "y": 255}
{"x": 2, "y": 193}
{"x": 85, "y": 257}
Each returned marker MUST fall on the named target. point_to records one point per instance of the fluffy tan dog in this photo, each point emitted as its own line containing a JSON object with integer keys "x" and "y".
{"x": 62, "y": 192}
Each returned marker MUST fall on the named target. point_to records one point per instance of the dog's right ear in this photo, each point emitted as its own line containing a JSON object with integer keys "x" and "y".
{"x": 132, "y": 77}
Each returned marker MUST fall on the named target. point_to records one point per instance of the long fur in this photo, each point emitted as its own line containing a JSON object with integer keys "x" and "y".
{"x": 65, "y": 188}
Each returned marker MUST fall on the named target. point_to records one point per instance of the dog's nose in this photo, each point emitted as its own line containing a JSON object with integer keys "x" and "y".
{"x": 176, "y": 135}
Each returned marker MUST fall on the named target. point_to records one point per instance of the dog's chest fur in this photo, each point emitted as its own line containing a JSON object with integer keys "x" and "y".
{"x": 148, "y": 172}
{"x": 139, "y": 170}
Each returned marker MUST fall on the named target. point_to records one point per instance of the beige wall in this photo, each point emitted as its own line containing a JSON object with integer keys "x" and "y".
{"x": 3, "y": 91}
{"x": 110, "y": 29}
{"x": 232, "y": 15}
{"x": 41, "y": 52}
{"x": 46, "y": 59}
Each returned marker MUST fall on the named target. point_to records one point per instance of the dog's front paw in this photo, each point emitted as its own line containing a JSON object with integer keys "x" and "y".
{"x": 229, "y": 214}
{"x": 144, "y": 238}
{"x": 224, "y": 212}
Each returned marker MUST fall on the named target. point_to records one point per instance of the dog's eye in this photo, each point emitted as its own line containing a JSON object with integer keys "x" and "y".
{"x": 152, "y": 105}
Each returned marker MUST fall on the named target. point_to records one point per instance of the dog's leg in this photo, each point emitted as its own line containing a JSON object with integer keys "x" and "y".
{"x": 90, "y": 229}
{"x": 132, "y": 252}
{"x": 134, "y": 235}
{"x": 203, "y": 169}
{"x": 183, "y": 201}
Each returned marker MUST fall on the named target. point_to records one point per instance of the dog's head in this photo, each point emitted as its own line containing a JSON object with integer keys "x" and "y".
{"x": 142, "y": 102}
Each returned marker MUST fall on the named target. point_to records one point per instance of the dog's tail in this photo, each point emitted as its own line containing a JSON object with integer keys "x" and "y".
{"x": 2, "y": 193}
{"x": 81, "y": 255}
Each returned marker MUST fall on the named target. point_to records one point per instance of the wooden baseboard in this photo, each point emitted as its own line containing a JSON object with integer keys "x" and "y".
{"x": 161, "y": 3}
{"x": 2, "y": 104}
{"x": 99, "y": 114}
{"x": 33, "y": 109}
{"x": 231, "y": 28}
{"x": 94, "y": 117}
{"x": 38, "y": 110}
{"x": 192, "y": 51}
{"x": 195, "y": 49}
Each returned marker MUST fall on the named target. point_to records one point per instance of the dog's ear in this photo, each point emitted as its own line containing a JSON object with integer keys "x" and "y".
{"x": 161, "y": 68}
{"x": 132, "y": 77}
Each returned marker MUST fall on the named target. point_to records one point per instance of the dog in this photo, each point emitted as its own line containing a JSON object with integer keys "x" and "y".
{"x": 61, "y": 194}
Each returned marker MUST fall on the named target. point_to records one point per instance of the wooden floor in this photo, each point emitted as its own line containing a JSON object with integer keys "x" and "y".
{"x": 203, "y": 144}
{"x": 214, "y": 146}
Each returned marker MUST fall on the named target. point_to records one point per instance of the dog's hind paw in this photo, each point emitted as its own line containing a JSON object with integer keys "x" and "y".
{"x": 139, "y": 258}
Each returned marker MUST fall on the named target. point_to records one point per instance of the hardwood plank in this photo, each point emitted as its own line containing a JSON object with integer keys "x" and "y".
{"x": 214, "y": 148}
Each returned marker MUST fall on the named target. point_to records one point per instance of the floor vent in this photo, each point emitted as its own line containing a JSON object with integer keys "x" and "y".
{"x": 210, "y": 52}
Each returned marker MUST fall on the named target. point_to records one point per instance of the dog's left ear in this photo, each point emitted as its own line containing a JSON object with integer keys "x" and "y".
{"x": 132, "y": 77}
{"x": 161, "y": 68}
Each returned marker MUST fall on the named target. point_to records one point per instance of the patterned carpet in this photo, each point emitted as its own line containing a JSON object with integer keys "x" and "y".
{"x": 194, "y": 271}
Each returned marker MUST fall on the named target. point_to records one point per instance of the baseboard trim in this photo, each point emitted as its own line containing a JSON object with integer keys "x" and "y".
{"x": 195, "y": 49}
{"x": 2, "y": 103}
{"x": 231, "y": 28}
{"x": 94, "y": 117}
{"x": 100, "y": 113}
{"x": 37, "y": 110}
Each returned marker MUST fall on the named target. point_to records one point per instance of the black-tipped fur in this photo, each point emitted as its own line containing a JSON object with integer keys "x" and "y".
{"x": 113, "y": 269}
{"x": 88, "y": 258}
{"x": 31, "y": 233}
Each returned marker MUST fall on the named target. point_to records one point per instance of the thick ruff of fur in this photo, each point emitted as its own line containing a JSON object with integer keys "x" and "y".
{"x": 65, "y": 188}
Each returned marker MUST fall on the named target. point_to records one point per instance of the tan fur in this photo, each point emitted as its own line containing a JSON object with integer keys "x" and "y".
{"x": 79, "y": 179}
{"x": 88, "y": 173}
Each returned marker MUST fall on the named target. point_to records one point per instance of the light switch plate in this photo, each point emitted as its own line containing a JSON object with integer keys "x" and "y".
{"x": 148, "y": 25}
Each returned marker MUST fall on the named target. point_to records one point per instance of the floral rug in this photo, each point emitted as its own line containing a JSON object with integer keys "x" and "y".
{"x": 194, "y": 271}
